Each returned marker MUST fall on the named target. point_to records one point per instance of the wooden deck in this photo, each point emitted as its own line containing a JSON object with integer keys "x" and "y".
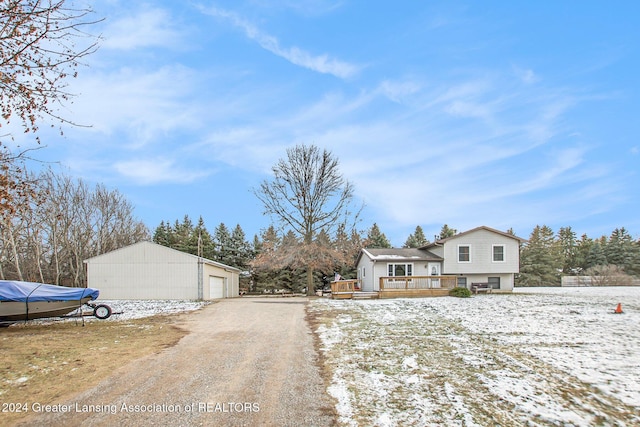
{"x": 396, "y": 287}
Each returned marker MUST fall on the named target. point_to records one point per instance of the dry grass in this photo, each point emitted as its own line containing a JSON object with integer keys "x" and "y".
{"x": 48, "y": 364}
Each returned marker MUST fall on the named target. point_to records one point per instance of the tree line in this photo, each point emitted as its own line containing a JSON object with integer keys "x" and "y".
{"x": 61, "y": 221}
{"x": 548, "y": 255}
{"x": 49, "y": 230}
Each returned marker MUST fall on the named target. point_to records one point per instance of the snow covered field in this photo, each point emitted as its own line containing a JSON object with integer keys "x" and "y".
{"x": 538, "y": 357}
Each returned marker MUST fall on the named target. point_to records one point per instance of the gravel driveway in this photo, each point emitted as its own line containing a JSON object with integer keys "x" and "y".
{"x": 246, "y": 361}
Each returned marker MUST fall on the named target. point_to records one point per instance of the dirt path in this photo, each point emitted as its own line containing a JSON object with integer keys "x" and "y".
{"x": 246, "y": 361}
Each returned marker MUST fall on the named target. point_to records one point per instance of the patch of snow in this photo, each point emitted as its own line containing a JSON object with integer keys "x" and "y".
{"x": 137, "y": 309}
{"x": 539, "y": 356}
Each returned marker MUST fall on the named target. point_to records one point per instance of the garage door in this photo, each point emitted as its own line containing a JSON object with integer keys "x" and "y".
{"x": 216, "y": 287}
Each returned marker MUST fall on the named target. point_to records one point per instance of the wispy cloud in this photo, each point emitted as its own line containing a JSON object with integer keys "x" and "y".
{"x": 157, "y": 171}
{"x": 297, "y": 56}
{"x": 525, "y": 75}
{"x": 142, "y": 103}
{"x": 147, "y": 27}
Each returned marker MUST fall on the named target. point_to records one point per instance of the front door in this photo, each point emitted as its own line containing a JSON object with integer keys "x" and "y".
{"x": 434, "y": 270}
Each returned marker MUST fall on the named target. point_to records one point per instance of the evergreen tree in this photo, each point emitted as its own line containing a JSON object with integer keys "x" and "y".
{"x": 241, "y": 249}
{"x": 222, "y": 242}
{"x": 620, "y": 249}
{"x": 445, "y": 232}
{"x": 540, "y": 263}
{"x": 568, "y": 247}
{"x": 203, "y": 240}
{"x": 162, "y": 234}
{"x": 183, "y": 236}
{"x": 597, "y": 255}
{"x": 348, "y": 246}
{"x": 376, "y": 239}
{"x": 583, "y": 249}
{"x": 417, "y": 239}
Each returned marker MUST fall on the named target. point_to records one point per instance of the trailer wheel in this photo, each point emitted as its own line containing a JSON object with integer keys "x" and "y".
{"x": 102, "y": 311}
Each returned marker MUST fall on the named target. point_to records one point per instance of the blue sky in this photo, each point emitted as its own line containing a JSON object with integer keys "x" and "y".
{"x": 505, "y": 114}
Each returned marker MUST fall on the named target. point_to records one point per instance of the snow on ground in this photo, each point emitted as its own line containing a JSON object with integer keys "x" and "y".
{"x": 537, "y": 357}
{"x": 136, "y": 309}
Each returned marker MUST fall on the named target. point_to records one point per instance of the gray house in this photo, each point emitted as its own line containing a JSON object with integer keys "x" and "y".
{"x": 146, "y": 270}
{"x": 482, "y": 254}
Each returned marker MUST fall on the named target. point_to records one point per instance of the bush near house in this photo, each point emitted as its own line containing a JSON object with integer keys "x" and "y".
{"x": 460, "y": 292}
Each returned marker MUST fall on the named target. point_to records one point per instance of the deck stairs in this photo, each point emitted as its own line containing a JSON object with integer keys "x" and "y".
{"x": 365, "y": 295}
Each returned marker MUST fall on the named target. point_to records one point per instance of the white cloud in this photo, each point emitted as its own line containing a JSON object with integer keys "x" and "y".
{"x": 137, "y": 101}
{"x": 156, "y": 171}
{"x": 398, "y": 91}
{"x": 319, "y": 63}
{"x": 146, "y": 28}
{"x": 526, "y": 75}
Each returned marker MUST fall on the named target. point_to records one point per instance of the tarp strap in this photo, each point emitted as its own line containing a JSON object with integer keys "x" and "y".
{"x": 26, "y": 303}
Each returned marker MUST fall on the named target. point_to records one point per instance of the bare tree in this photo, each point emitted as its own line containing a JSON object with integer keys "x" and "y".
{"x": 308, "y": 193}
{"x": 41, "y": 44}
{"x": 64, "y": 222}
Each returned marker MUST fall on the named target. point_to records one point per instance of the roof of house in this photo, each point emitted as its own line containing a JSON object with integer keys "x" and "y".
{"x": 482, "y": 227}
{"x": 398, "y": 254}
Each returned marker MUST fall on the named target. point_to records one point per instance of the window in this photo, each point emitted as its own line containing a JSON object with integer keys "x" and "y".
{"x": 464, "y": 253}
{"x": 494, "y": 282}
{"x": 498, "y": 253}
{"x": 462, "y": 282}
{"x": 396, "y": 270}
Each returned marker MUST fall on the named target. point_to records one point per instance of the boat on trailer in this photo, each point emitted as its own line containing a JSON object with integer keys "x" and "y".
{"x": 29, "y": 300}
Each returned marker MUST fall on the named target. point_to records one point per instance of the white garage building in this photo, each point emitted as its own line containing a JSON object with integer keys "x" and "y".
{"x": 146, "y": 270}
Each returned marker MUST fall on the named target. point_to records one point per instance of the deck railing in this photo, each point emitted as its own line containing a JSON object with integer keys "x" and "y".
{"x": 344, "y": 286}
{"x": 418, "y": 282}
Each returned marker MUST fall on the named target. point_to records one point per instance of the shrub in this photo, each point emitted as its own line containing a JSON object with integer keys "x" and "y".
{"x": 460, "y": 292}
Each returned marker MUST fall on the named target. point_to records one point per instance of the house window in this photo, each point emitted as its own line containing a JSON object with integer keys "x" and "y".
{"x": 396, "y": 270}
{"x": 464, "y": 253}
{"x": 498, "y": 253}
{"x": 494, "y": 282}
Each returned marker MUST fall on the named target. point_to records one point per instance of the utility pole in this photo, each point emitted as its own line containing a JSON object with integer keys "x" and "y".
{"x": 200, "y": 272}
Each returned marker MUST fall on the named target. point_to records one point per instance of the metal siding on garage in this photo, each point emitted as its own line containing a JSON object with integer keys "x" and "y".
{"x": 146, "y": 270}
{"x": 216, "y": 287}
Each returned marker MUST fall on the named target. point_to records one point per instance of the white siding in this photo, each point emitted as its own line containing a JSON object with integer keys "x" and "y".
{"x": 481, "y": 243}
{"x": 146, "y": 270}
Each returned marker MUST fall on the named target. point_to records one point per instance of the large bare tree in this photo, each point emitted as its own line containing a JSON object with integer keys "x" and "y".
{"x": 308, "y": 193}
{"x": 41, "y": 45}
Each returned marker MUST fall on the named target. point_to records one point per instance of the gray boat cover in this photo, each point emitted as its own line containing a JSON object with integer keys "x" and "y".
{"x": 31, "y": 292}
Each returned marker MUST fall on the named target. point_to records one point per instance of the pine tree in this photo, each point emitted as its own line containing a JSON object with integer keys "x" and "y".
{"x": 597, "y": 255}
{"x": 568, "y": 247}
{"x": 203, "y": 240}
{"x": 620, "y": 250}
{"x": 376, "y": 239}
{"x": 241, "y": 249}
{"x": 583, "y": 249}
{"x": 417, "y": 239}
{"x": 445, "y": 232}
{"x": 222, "y": 242}
{"x": 540, "y": 263}
{"x": 162, "y": 234}
{"x": 183, "y": 236}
